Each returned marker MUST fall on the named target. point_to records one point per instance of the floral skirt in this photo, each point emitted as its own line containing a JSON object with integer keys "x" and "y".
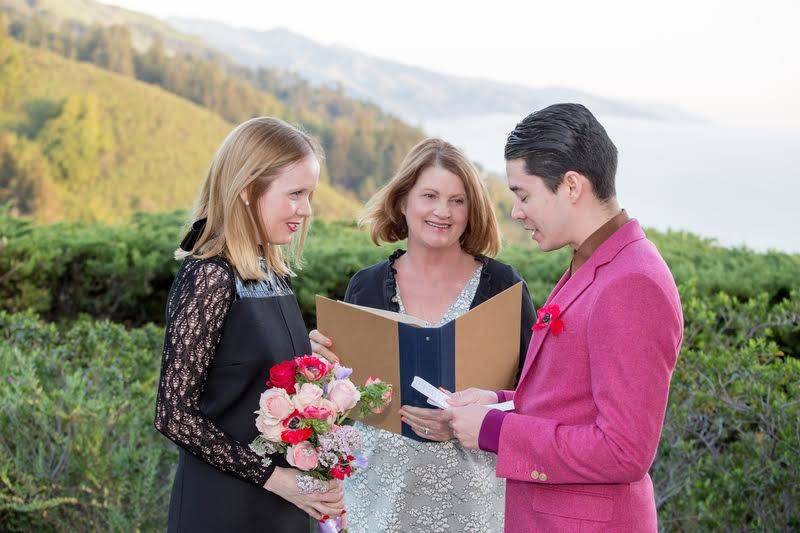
{"x": 423, "y": 486}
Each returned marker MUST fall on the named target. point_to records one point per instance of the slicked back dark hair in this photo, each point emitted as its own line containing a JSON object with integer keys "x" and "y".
{"x": 564, "y": 137}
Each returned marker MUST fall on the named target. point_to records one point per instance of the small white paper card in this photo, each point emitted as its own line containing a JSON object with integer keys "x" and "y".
{"x": 434, "y": 395}
{"x": 438, "y": 398}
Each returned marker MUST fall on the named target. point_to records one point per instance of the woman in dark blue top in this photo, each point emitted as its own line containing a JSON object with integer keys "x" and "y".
{"x": 438, "y": 202}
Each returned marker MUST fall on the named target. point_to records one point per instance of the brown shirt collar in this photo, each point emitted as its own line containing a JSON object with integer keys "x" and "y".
{"x": 593, "y": 242}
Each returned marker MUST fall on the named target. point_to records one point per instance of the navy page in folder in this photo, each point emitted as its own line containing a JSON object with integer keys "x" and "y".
{"x": 478, "y": 349}
{"x": 430, "y": 354}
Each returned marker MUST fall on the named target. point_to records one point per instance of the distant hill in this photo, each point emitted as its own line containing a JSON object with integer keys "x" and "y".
{"x": 145, "y": 28}
{"x": 79, "y": 142}
{"x": 413, "y": 93}
{"x": 365, "y": 144}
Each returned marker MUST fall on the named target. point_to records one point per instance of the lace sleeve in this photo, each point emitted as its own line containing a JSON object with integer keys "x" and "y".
{"x": 196, "y": 310}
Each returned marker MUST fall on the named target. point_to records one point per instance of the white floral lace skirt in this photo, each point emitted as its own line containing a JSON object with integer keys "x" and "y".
{"x": 412, "y": 486}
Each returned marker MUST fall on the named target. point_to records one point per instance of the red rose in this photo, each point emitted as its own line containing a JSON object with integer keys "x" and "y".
{"x": 282, "y": 376}
{"x": 310, "y": 367}
{"x": 293, "y": 436}
{"x": 548, "y": 317}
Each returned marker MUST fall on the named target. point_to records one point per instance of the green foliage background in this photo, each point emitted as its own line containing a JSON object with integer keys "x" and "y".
{"x": 80, "y": 338}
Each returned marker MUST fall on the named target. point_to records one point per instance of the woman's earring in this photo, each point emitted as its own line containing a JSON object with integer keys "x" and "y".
{"x": 247, "y": 203}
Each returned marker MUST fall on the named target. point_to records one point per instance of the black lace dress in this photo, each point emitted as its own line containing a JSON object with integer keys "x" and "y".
{"x": 222, "y": 336}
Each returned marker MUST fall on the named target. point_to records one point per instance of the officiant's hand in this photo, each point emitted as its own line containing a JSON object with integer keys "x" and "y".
{"x": 472, "y": 396}
{"x": 322, "y": 345}
{"x": 435, "y": 421}
{"x": 465, "y": 423}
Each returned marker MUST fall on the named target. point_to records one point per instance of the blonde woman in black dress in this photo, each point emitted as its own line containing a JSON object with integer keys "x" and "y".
{"x": 231, "y": 315}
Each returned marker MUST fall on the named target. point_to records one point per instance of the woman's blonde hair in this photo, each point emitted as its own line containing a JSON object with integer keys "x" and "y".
{"x": 383, "y": 213}
{"x": 248, "y": 160}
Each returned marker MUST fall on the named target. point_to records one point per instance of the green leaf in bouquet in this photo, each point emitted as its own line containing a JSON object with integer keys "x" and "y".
{"x": 320, "y": 427}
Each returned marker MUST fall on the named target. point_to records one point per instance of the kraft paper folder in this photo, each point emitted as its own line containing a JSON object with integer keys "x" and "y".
{"x": 478, "y": 349}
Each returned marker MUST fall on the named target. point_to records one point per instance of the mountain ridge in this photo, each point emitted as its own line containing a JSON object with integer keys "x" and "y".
{"x": 412, "y": 92}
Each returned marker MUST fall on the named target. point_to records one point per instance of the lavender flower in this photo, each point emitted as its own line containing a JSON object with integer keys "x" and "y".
{"x": 343, "y": 440}
{"x": 342, "y": 372}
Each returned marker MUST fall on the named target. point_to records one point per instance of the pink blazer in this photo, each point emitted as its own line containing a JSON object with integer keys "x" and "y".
{"x": 590, "y": 402}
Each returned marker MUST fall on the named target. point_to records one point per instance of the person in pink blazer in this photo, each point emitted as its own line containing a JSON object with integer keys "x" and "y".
{"x": 591, "y": 398}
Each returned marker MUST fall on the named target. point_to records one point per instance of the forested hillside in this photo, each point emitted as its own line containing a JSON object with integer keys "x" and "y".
{"x": 365, "y": 144}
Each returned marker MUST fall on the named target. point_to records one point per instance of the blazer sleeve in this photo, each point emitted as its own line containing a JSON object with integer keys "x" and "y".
{"x": 634, "y": 333}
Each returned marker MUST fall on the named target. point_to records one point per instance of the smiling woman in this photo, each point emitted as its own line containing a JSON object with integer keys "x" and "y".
{"x": 437, "y": 201}
{"x": 231, "y": 316}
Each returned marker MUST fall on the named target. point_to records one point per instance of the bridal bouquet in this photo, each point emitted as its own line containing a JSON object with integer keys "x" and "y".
{"x": 307, "y": 413}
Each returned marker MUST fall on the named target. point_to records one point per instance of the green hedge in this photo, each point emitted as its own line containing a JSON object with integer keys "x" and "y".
{"x": 78, "y": 451}
{"x": 77, "y": 397}
{"x": 123, "y": 272}
{"x": 728, "y": 457}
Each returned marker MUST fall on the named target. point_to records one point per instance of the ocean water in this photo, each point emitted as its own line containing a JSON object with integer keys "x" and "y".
{"x": 740, "y": 186}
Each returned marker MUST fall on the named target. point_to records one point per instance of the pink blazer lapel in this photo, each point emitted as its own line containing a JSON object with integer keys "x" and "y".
{"x": 569, "y": 287}
{"x": 563, "y": 295}
{"x": 564, "y": 278}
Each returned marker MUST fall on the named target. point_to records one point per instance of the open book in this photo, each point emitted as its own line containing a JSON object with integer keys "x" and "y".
{"x": 478, "y": 349}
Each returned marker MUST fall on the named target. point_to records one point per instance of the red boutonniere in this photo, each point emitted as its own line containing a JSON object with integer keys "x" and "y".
{"x": 548, "y": 317}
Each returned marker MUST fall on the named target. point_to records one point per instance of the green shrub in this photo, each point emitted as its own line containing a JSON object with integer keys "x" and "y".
{"x": 76, "y": 407}
{"x": 62, "y": 270}
{"x": 79, "y": 450}
{"x": 731, "y": 439}
{"x": 123, "y": 272}
{"x": 728, "y": 459}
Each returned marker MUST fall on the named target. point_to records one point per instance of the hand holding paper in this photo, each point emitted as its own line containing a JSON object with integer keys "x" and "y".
{"x": 439, "y": 399}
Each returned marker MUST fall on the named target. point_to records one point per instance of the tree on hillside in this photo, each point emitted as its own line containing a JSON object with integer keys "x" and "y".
{"x": 109, "y": 47}
{"x": 38, "y": 32}
{"x": 10, "y": 68}
{"x": 152, "y": 66}
{"x": 75, "y": 140}
{"x": 25, "y": 178}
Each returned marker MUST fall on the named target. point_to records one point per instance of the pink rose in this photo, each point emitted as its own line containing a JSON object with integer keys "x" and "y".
{"x": 343, "y": 394}
{"x": 307, "y": 395}
{"x": 302, "y": 456}
{"x": 322, "y": 410}
{"x": 269, "y": 427}
{"x": 371, "y": 380}
{"x": 276, "y": 404}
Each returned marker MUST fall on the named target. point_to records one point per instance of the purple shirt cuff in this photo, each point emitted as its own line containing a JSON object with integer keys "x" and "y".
{"x": 501, "y": 396}
{"x": 489, "y": 436}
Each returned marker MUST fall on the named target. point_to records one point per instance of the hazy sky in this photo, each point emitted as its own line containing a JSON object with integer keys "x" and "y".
{"x": 733, "y": 61}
